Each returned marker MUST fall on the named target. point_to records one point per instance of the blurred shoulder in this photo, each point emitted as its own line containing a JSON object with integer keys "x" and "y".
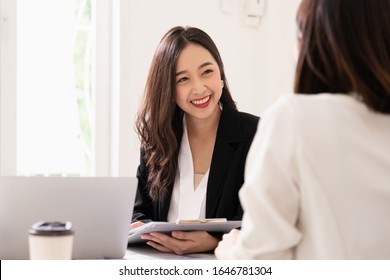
{"x": 311, "y": 103}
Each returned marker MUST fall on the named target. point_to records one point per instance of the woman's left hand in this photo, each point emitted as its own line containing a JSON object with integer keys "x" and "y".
{"x": 181, "y": 242}
{"x": 222, "y": 252}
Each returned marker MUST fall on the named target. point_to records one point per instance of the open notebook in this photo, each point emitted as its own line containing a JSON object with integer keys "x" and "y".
{"x": 100, "y": 210}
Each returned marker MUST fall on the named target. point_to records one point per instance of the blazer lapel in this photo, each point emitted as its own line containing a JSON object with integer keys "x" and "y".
{"x": 229, "y": 133}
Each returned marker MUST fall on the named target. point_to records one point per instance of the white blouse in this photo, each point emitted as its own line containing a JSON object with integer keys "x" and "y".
{"x": 317, "y": 182}
{"x": 187, "y": 202}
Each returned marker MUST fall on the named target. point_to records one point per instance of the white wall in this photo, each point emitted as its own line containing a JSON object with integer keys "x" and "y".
{"x": 7, "y": 85}
{"x": 275, "y": 54}
{"x": 259, "y": 61}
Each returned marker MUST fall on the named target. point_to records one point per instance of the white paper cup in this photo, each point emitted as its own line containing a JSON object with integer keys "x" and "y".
{"x": 51, "y": 241}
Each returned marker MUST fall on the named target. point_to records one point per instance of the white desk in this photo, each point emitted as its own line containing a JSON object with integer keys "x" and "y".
{"x": 145, "y": 252}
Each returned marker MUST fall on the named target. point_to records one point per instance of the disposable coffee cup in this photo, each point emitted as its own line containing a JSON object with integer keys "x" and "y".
{"x": 51, "y": 241}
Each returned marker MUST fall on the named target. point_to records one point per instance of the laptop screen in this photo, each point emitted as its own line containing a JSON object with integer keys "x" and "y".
{"x": 99, "y": 208}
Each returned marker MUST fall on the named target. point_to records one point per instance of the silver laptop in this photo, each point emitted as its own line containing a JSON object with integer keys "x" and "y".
{"x": 100, "y": 210}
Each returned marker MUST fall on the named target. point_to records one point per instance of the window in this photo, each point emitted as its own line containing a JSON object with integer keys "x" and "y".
{"x": 51, "y": 99}
{"x": 55, "y": 59}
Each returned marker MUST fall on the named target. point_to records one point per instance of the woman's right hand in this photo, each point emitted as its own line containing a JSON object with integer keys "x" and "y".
{"x": 136, "y": 224}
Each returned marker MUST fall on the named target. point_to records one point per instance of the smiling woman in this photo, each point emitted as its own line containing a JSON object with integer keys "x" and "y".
{"x": 198, "y": 83}
{"x": 191, "y": 133}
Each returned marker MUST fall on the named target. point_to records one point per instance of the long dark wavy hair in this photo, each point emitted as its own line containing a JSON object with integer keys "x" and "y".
{"x": 345, "y": 47}
{"x": 159, "y": 120}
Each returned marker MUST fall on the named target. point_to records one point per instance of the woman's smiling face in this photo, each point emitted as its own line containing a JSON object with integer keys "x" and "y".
{"x": 198, "y": 82}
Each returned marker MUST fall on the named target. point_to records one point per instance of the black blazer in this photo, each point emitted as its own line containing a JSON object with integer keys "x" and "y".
{"x": 234, "y": 137}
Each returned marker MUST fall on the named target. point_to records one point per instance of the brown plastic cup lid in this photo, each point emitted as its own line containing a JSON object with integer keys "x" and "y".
{"x": 51, "y": 228}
